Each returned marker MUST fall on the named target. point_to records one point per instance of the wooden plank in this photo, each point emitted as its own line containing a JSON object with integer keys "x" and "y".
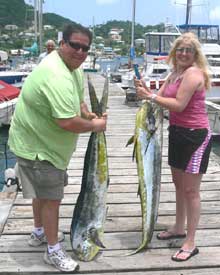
{"x": 6, "y": 202}
{"x": 119, "y": 198}
{"x": 113, "y": 241}
{"x": 117, "y": 210}
{"x": 113, "y": 224}
{"x": 127, "y": 210}
{"x": 127, "y": 179}
{"x": 114, "y": 261}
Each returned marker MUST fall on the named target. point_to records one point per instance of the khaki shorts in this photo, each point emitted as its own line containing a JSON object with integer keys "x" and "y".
{"x": 41, "y": 179}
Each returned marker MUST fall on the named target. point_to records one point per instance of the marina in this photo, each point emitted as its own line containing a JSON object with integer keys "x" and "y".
{"x": 123, "y": 223}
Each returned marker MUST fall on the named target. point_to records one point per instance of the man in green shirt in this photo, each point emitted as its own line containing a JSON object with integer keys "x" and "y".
{"x": 49, "y": 115}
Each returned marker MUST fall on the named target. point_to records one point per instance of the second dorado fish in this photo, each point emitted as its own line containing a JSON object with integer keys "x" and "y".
{"x": 147, "y": 152}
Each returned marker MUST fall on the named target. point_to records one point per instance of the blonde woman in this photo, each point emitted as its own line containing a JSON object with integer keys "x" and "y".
{"x": 183, "y": 94}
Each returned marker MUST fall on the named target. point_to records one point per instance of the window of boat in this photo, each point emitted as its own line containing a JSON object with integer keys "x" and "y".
{"x": 159, "y": 71}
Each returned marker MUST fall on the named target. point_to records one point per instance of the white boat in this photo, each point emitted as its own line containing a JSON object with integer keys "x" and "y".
{"x": 155, "y": 66}
{"x": 13, "y": 77}
{"x": 8, "y": 99}
{"x": 6, "y": 111}
{"x": 90, "y": 64}
{"x": 213, "y": 111}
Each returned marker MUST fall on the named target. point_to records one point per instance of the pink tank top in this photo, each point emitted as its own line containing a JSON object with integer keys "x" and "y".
{"x": 194, "y": 115}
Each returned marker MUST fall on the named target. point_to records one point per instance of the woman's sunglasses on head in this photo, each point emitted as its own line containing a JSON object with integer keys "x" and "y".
{"x": 77, "y": 46}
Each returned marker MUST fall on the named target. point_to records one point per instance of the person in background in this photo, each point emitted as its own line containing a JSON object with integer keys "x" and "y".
{"x": 183, "y": 94}
{"x": 48, "y": 118}
{"x": 50, "y": 46}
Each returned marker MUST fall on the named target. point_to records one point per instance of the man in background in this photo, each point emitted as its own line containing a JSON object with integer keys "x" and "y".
{"x": 50, "y": 46}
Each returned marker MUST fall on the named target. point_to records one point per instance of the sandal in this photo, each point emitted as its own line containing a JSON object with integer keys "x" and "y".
{"x": 190, "y": 253}
{"x": 170, "y": 235}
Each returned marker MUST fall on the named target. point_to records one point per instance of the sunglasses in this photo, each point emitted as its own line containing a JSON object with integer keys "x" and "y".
{"x": 77, "y": 46}
{"x": 186, "y": 50}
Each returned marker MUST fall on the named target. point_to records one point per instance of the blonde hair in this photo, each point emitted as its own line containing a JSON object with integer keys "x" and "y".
{"x": 200, "y": 59}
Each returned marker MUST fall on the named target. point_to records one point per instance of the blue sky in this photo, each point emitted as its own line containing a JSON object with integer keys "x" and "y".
{"x": 148, "y": 12}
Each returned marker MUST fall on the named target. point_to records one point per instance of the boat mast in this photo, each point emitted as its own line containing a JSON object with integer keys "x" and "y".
{"x": 132, "y": 50}
{"x": 35, "y": 19}
{"x": 40, "y": 24}
{"x": 133, "y": 23}
{"x": 188, "y": 11}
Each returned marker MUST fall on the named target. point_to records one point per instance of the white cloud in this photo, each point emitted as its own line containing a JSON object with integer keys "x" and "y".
{"x": 106, "y": 2}
{"x": 215, "y": 13}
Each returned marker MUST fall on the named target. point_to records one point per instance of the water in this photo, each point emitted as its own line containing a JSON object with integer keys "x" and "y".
{"x": 113, "y": 65}
{"x": 7, "y": 158}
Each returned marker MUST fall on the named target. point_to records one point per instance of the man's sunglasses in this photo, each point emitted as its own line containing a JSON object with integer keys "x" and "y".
{"x": 77, "y": 46}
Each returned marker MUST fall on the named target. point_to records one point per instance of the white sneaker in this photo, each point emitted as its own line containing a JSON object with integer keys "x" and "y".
{"x": 39, "y": 240}
{"x": 61, "y": 260}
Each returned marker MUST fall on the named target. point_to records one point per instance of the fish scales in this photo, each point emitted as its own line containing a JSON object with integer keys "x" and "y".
{"x": 147, "y": 152}
{"x": 89, "y": 215}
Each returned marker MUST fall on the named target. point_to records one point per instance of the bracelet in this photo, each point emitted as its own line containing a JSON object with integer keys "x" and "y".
{"x": 153, "y": 97}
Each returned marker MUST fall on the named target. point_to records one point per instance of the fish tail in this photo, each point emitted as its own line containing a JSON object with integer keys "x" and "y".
{"x": 141, "y": 247}
{"x": 95, "y": 105}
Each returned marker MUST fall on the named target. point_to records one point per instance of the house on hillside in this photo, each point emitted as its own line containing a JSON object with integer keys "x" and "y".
{"x": 48, "y": 27}
{"x": 115, "y": 34}
{"x": 11, "y": 27}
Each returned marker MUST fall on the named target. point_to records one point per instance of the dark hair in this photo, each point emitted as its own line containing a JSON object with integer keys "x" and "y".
{"x": 69, "y": 29}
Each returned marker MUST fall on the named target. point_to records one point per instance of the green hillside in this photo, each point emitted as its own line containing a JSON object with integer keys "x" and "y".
{"x": 18, "y": 13}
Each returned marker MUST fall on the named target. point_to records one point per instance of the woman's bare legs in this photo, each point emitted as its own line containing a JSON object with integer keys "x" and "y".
{"x": 178, "y": 179}
{"x": 179, "y": 226}
{"x": 192, "y": 198}
{"x": 187, "y": 205}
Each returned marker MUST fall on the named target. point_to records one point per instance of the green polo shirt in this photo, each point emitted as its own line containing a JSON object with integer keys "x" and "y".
{"x": 51, "y": 91}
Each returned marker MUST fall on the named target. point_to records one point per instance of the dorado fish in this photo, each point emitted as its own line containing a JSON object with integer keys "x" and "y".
{"x": 147, "y": 152}
{"x": 89, "y": 215}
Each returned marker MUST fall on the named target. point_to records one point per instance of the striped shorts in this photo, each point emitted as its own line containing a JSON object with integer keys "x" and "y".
{"x": 189, "y": 149}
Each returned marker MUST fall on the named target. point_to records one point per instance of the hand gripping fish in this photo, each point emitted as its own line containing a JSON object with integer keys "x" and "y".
{"x": 147, "y": 152}
{"x": 90, "y": 211}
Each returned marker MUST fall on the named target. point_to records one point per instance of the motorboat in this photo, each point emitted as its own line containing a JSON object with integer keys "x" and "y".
{"x": 8, "y": 99}
{"x": 90, "y": 64}
{"x": 13, "y": 77}
{"x": 154, "y": 67}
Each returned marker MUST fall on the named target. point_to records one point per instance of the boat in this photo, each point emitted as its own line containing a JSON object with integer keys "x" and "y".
{"x": 7, "y": 74}
{"x": 157, "y": 48}
{"x": 8, "y": 99}
{"x": 209, "y": 36}
{"x": 213, "y": 110}
{"x": 155, "y": 68}
{"x": 90, "y": 64}
{"x": 13, "y": 77}
{"x": 4, "y": 66}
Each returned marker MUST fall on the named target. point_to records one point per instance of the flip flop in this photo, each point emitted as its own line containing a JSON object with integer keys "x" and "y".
{"x": 170, "y": 236}
{"x": 191, "y": 253}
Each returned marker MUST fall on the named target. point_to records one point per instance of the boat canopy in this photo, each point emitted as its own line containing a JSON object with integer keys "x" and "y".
{"x": 205, "y": 32}
{"x": 159, "y": 43}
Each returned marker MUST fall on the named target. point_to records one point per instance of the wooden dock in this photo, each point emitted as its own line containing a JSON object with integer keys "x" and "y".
{"x": 123, "y": 224}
